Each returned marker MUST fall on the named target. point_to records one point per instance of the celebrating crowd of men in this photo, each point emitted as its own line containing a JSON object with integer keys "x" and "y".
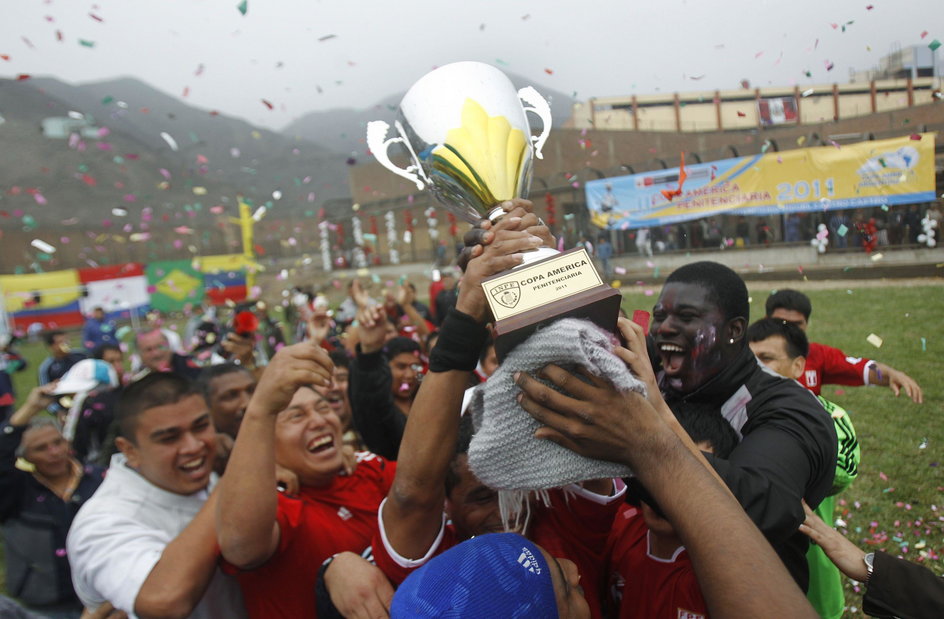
{"x": 325, "y": 479}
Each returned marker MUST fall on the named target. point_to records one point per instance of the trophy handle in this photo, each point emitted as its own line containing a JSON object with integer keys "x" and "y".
{"x": 378, "y": 144}
{"x": 539, "y": 106}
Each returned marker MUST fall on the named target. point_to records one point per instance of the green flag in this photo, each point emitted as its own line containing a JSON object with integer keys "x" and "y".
{"x": 173, "y": 284}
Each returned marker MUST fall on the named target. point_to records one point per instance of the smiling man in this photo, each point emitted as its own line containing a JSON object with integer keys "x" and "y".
{"x": 274, "y": 541}
{"x": 146, "y": 541}
{"x": 788, "y": 446}
{"x": 788, "y": 450}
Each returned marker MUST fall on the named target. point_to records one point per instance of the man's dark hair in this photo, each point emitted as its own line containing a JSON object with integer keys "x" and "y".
{"x": 207, "y": 375}
{"x": 340, "y": 359}
{"x": 51, "y": 336}
{"x": 704, "y": 424}
{"x": 789, "y": 299}
{"x": 101, "y": 349}
{"x": 725, "y": 288}
{"x": 797, "y": 343}
{"x": 400, "y": 345}
{"x": 155, "y": 389}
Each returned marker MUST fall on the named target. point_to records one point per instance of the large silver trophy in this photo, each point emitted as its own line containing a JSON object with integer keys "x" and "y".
{"x": 466, "y": 132}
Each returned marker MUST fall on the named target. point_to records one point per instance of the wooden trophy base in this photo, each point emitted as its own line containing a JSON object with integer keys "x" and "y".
{"x": 563, "y": 285}
{"x": 599, "y": 305}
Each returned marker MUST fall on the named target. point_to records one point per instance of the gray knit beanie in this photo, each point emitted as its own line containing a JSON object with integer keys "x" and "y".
{"x": 504, "y": 454}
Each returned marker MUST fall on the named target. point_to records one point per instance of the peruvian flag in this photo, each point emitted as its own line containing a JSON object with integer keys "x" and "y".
{"x": 777, "y": 111}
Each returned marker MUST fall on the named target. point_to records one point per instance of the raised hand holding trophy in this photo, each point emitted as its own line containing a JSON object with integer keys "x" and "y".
{"x": 468, "y": 139}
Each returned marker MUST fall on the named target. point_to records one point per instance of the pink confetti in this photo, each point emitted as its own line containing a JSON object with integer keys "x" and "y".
{"x": 883, "y": 477}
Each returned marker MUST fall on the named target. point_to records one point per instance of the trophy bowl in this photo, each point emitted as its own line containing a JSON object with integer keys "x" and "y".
{"x": 468, "y": 139}
{"x": 466, "y": 132}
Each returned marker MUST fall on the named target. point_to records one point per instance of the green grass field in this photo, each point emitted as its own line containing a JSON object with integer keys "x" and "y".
{"x": 896, "y": 504}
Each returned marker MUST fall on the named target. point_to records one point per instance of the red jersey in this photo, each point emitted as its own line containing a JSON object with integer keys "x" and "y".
{"x": 576, "y": 526}
{"x": 830, "y": 366}
{"x": 643, "y": 586}
{"x": 312, "y": 527}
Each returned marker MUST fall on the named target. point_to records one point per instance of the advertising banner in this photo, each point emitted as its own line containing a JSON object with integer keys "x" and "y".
{"x": 875, "y": 173}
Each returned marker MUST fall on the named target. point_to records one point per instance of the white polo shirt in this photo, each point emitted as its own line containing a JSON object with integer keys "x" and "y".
{"x": 118, "y": 537}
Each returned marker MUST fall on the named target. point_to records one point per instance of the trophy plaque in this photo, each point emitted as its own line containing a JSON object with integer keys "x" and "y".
{"x": 467, "y": 136}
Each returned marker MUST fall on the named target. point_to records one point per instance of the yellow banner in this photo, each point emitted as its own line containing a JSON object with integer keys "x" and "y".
{"x": 56, "y": 288}
{"x": 875, "y": 173}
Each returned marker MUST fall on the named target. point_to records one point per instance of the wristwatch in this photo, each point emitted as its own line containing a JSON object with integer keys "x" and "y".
{"x": 869, "y": 558}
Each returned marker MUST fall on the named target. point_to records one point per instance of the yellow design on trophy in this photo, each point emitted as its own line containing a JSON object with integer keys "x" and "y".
{"x": 485, "y": 154}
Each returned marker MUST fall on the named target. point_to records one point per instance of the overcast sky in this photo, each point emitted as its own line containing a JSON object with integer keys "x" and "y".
{"x": 305, "y": 55}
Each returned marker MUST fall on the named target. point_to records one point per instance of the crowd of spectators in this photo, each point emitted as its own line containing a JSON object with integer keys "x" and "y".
{"x": 848, "y": 230}
{"x": 353, "y": 469}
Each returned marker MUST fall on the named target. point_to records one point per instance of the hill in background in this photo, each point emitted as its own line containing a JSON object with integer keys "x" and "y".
{"x": 343, "y": 130}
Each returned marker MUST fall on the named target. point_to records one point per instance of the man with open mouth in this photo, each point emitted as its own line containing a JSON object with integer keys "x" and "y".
{"x": 272, "y": 541}
{"x": 145, "y": 541}
{"x": 788, "y": 449}
{"x": 700, "y": 355}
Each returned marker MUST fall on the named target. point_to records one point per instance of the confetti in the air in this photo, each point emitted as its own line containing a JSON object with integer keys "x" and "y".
{"x": 43, "y": 246}
{"x": 874, "y": 340}
{"x": 170, "y": 140}
{"x": 243, "y": 6}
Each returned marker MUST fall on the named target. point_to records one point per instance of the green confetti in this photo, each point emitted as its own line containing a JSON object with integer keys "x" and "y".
{"x": 933, "y": 45}
{"x": 924, "y": 345}
{"x": 108, "y": 99}
{"x": 243, "y": 6}
{"x": 85, "y": 43}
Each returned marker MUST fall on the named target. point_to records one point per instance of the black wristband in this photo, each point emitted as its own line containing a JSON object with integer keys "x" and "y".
{"x": 460, "y": 342}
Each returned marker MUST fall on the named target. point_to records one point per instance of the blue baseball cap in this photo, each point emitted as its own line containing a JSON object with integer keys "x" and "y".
{"x": 494, "y": 575}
